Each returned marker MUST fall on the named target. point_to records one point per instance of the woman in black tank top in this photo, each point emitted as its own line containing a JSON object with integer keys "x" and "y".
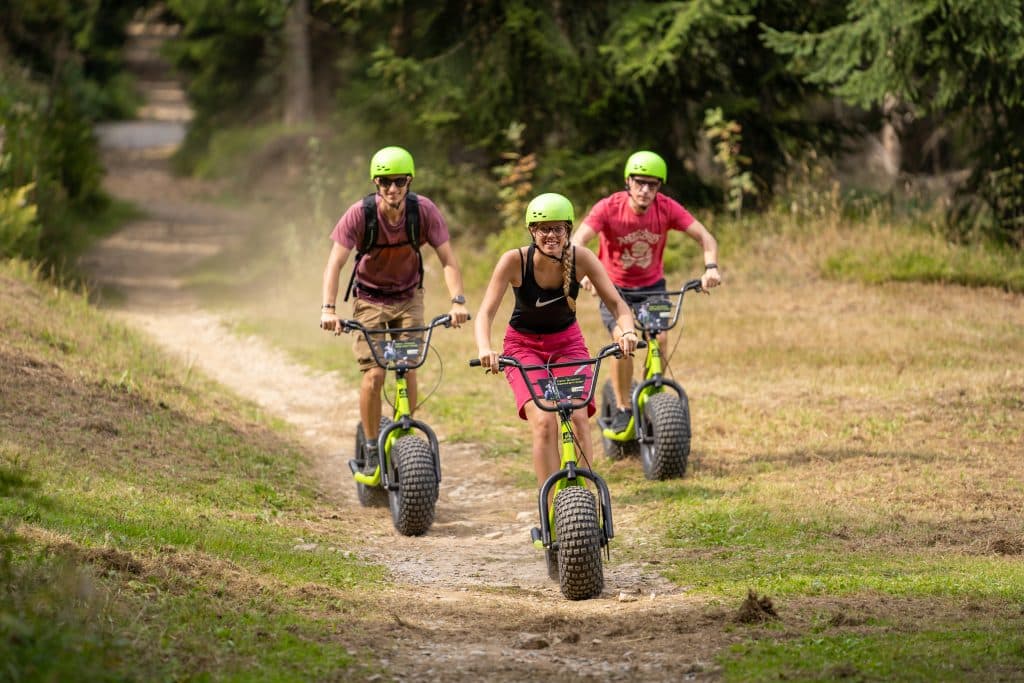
{"x": 544, "y": 310}
{"x": 545, "y": 278}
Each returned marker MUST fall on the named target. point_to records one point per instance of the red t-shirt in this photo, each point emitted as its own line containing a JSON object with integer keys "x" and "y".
{"x": 630, "y": 246}
{"x": 395, "y": 269}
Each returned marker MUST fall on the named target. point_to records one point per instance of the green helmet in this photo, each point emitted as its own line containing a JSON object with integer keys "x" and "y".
{"x": 391, "y": 161}
{"x": 549, "y": 206}
{"x": 646, "y": 163}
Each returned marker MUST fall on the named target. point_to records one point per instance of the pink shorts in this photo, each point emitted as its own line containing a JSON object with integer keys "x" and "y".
{"x": 537, "y": 349}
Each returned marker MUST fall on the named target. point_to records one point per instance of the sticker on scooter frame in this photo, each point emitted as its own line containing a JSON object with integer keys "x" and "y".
{"x": 400, "y": 351}
{"x": 648, "y": 312}
{"x": 557, "y": 388}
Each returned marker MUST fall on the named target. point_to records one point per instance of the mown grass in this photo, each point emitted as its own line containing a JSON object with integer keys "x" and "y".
{"x": 976, "y": 650}
{"x": 858, "y": 436}
{"x": 921, "y": 258}
{"x": 154, "y": 526}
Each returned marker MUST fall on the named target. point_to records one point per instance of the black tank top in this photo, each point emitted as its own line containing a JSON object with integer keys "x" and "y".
{"x": 539, "y": 310}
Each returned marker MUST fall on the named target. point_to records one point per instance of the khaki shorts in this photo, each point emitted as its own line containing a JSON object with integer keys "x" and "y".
{"x": 374, "y": 316}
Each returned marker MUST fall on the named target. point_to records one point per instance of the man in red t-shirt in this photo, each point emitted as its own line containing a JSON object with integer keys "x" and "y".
{"x": 388, "y": 291}
{"x": 632, "y": 226}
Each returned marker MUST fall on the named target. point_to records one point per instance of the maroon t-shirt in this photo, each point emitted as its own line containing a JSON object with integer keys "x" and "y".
{"x": 394, "y": 269}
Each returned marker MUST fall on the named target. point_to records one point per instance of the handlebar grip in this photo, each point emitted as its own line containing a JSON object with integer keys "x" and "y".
{"x": 448, "y": 319}
{"x": 474, "y": 362}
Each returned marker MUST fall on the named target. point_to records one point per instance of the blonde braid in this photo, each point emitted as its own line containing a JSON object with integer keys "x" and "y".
{"x": 567, "y": 274}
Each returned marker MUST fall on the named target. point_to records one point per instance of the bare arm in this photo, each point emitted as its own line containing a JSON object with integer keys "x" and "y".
{"x": 580, "y": 238}
{"x": 329, "y": 294}
{"x": 709, "y": 245}
{"x": 587, "y": 263}
{"x": 505, "y": 273}
{"x": 584, "y": 233}
{"x": 453, "y": 280}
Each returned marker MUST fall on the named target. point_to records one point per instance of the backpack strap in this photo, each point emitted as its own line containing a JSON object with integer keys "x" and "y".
{"x": 371, "y": 229}
{"x": 412, "y": 227}
{"x": 369, "y": 236}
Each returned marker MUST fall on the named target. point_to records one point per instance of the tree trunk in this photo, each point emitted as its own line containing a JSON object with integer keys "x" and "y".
{"x": 298, "y": 79}
{"x": 892, "y": 148}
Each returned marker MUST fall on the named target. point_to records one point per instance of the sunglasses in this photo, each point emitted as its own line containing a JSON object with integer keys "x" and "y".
{"x": 549, "y": 229}
{"x": 388, "y": 182}
{"x": 649, "y": 184}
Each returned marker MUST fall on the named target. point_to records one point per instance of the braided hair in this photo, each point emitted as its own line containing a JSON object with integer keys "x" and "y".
{"x": 567, "y": 272}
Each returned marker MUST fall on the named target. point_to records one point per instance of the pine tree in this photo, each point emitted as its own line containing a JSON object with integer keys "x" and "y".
{"x": 961, "y": 60}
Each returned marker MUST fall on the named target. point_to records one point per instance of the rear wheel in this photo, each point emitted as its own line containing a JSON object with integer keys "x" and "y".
{"x": 369, "y": 496}
{"x": 412, "y": 503}
{"x": 666, "y": 446}
{"x": 578, "y": 531}
{"x": 613, "y": 450}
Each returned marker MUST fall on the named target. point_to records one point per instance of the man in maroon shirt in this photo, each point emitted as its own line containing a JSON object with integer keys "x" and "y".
{"x": 632, "y": 227}
{"x": 387, "y": 280}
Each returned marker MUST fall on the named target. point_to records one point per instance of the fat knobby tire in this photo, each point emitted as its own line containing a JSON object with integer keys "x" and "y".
{"x": 578, "y": 532}
{"x": 614, "y": 450}
{"x": 412, "y": 505}
{"x": 667, "y": 432}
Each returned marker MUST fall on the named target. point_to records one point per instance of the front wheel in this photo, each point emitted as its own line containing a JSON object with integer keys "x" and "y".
{"x": 413, "y": 501}
{"x": 666, "y": 445}
{"x": 578, "y": 531}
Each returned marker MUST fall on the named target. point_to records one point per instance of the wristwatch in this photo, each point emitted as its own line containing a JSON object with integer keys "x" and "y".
{"x": 460, "y": 299}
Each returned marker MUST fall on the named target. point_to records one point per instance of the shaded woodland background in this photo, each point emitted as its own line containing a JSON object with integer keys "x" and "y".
{"x": 915, "y": 105}
{"x": 856, "y": 388}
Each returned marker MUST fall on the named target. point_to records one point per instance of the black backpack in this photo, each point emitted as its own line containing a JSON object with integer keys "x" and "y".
{"x": 412, "y": 233}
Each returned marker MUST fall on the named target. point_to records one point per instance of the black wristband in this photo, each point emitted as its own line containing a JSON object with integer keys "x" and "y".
{"x": 709, "y": 266}
{"x": 330, "y": 306}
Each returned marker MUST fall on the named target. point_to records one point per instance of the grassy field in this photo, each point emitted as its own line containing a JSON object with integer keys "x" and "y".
{"x": 858, "y": 449}
{"x": 151, "y": 520}
{"x": 858, "y": 458}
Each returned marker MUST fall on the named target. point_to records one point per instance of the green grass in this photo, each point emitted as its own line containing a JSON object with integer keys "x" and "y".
{"x": 154, "y": 526}
{"x": 949, "y": 652}
{"x": 929, "y": 259}
{"x": 856, "y": 456}
{"x": 68, "y": 621}
{"x": 832, "y": 571}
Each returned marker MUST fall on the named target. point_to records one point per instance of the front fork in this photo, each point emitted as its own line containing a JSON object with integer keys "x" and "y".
{"x": 569, "y": 475}
{"x": 653, "y": 383}
{"x": 402, "y": 425}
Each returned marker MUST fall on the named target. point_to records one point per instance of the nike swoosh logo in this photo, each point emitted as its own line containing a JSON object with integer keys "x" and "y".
{"x": 545, "y": 303}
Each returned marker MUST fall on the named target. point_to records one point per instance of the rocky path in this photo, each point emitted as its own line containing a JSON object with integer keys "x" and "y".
{"x": 473, "y": 594}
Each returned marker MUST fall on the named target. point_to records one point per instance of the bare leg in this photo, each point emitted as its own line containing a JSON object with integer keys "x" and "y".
{"x": 622, "y": 381}
{"x": 369, "y": 401}
{"x": 581, "y": 425}
{"x": 544, "y": 432}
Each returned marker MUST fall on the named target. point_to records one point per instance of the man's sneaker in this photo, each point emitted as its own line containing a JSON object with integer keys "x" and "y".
{"x": 620, "y": 420}
{"x": 371, "y": 458}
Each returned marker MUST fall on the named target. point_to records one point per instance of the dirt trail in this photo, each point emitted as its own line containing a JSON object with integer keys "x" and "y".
{"x": 143, "y": 263}
{"x": 472, "y": 598}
